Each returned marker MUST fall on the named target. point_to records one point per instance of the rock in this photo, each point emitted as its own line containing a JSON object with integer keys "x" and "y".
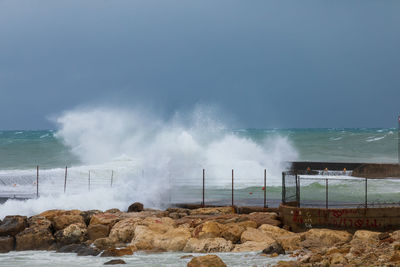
{"x": 383, "y": 236}
{"x": 71, "y": 248}
{"x": 208, "y": 229}
{"x": 116, "y": 252}
{"x": 274, "y": 248}
{"x": 104, "y": 243}
{"x": 96, "y": 231}
{"x": 105, "y": 219}
{"x": 338, "y": 258}
{"x": 289, "y": 241}
{"x": 12, "y": 225}
{"x": 87, "y": 215}
{"x": 87, "y": 251}
{"x": 179, "y": 210}
{"x": 208, "y": 245}
{"x": 232, "y": 232}
{"x": 264, "y": 218}
{"x": 256, "y": 235}
{"x": 252, "y": 246}
{"x": 135, "y": 207}
{"x": 186, "y": 256}
{"x": 124, "y": 230}
{"x": 206, "y": 261}
{"x": 74, "y": 233}
{"x": 40, "y": 222}
{"x": 159, "y": 225}
{"x": 62, "y": 221}
{"x": 324, "y": 238}
{"x": 213, "y": 211}
{"x": 364, "y": 237}
{"x": 6, "y": 244}
{"x": 51, "y": 214}
{"x": 114, "y": 262}
{"x": 113, "y": 211}
{"x": 173, "y": 240}
{"x": 34, "y": 238}
{"x": 247, "y": 224}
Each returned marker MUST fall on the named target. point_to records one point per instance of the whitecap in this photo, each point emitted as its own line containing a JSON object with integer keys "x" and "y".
{"x": 43, "y": 136}
{"x": 370, "y": 139}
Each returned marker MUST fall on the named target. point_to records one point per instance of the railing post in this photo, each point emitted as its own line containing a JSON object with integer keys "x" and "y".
{"x": 297, "y": 190}
{"x": 89, "y": 181}
{"x": 232, "y": 187}
{"x": 37, "y": 181}
{"x": 112, "y": 177}
{"x": 265, "y": 188}
{"x": 366, "y": 192}
{"x": 65, "y": 178}
{"x": 326, "y": 193}
{"x": 204, "y": 176}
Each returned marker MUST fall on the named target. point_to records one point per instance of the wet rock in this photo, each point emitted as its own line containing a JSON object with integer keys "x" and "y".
{"x": 40, "y": 222}
{"x": 213, "y": 211}
{"x": 72, "y": 248}
{"x": 264, "y": 218}
{"x": 87, "y": 251}
{"x": 135, "y": 207}
{"x": 12, "y": 225}
{"x": 60, "y": 222}
{"x": 96, "y": 231}
{"x": 114, "y": 262}
{"x": 208, "y": 245}
{"x": 104, "y": 243}
{"x": 274, "y": 248}
{"x": 206, "y": 261}
{"x": 105, "y": 218}
{"x": 117, "y": 252}
{"x": 34, "y": 238}
{"x": 124, "y": 230}
{"x": 6, "y": 244}
{"x": 74, "y": 233}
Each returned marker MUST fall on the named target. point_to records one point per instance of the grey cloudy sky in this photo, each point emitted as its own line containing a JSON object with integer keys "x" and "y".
{"x": 266, "y": 63}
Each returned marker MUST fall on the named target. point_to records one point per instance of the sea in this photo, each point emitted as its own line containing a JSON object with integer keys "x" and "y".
{"x": 113, "y": 161}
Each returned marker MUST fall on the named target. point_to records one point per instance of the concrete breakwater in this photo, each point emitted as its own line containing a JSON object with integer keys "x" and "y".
{"x": 203, "y": 230}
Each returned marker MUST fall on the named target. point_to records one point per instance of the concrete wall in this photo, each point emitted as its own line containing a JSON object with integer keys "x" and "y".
{"x": 378, "y": 219}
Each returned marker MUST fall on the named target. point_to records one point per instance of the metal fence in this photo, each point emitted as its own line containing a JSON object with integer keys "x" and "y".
{"x": 325, "y": 189}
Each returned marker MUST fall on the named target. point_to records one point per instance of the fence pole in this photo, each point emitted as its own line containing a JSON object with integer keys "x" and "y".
{"x": 65, "y": 178}
{"x": 326, "y": 193}
{"x": 265, "y": 188}
{"x": 366, "y": 192}
{"x": 232, "y": 187}
{"x": 112, "y": 177}
{"x": 297, "y": 191}
{"x": 89, "y": 181}
{"x": 37, "y": 181}
{"x": 202, "y": 203}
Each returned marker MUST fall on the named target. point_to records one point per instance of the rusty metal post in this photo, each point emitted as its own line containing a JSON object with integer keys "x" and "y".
{"x": 265, "y": 188}
{"x": 297, "y": 190}
{"x": 232, "y": 188}
{"x": 65, "y": 178}
{"x": 204, "y": 177}
{"x": 326, "y": 193}
{"x": 398, "y": 140}
{"x": 89, "y": 181}
{"x": 37, "y": 181}
{"x": 366, "y": 193}
{"x": 112, "y": 177}
{"x": 283, "y": 188}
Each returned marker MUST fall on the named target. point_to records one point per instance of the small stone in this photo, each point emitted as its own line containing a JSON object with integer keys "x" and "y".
{"x": 113, "y": 262}
{"x": 274, "y": 248}
{"x": 187, "y": 256}
{"x": 136, "y": 207}
{"x": 206, "y": 261}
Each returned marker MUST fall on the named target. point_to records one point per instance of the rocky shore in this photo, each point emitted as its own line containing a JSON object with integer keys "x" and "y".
{"x": 205, "y": 230}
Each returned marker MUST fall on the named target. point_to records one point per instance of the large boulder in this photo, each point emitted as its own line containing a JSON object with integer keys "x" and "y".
{"x": 87, "y": 215}
{"x": 213, "y": 211}
{"x": 6, "y": 244}
{"x": 208, "y": 245}
{"x": 206, "y": 261}
{"x": 40, "y": 222}
{"x": 104, "y": 243}
{"x": 264, "y": 218}
{"x": 105, "y": 218}
{"x": 289, "y": 241}
{"x": 256, "y": 235}
{"x": 124, "y": 230}
{"x": 135, "y": 207}
{"x": 74, "y": 233}
{"x": 232, "y": 232}
{"x": 95, "y": 231}
{"x": 144, "y": 237}
{"x": 12, "y": 225}
{"x": 324, "y": 238}
{"x": 62, "y": 221}
{"x": 253, "y": 246}
{"x": 34, "y": 238}
{"x": 173, "y": 240}
{"x": 208, "y": 229}
{"x": 80, "y": 249}
{"x": 51, "y": 214}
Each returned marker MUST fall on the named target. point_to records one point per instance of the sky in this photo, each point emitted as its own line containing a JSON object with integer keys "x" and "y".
{"x": 268, "y": 64}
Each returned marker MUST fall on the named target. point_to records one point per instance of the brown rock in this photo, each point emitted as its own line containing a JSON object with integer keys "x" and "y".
{"x": 113, "y": 211}
{"x": 96, "y": 231}
{"x": 114, "y": 262}
{"x": 104, "y": 218}
{"x": 40, "y": 222}
{"x": 6, "y": 244}
{"x": 173, "y": 240}
{"x": 289, "y": 241}
{"x": 253, "y": 246}
{"x": 117, "y": 252}
{"x": 136, "y": 207}
{"x": 51, "y": 214}
{"x": 87, "y": 215}
{"x": 232, "y": 232}
{"x": 74, "y": 233}
{"x": 213, "y": 211}
{"x": 34, "y": 238}
{"x": 62, "y": 221}
{"x": 206, "y": 261}
{"x": 338, "y": 258}
{"x": 208, "y": 245}
{"x": 256, "y": 235}
{"x": 324, "y": 237}
{"x": 208, "y": 229}
{"x": 103, "y": 243}
{"x": 12, "y": 225}
{"x": 264, "y": 218}
{"x": 124, "y": 230}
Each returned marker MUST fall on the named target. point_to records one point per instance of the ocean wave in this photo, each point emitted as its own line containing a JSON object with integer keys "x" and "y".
{"x": 373, "y": 139}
